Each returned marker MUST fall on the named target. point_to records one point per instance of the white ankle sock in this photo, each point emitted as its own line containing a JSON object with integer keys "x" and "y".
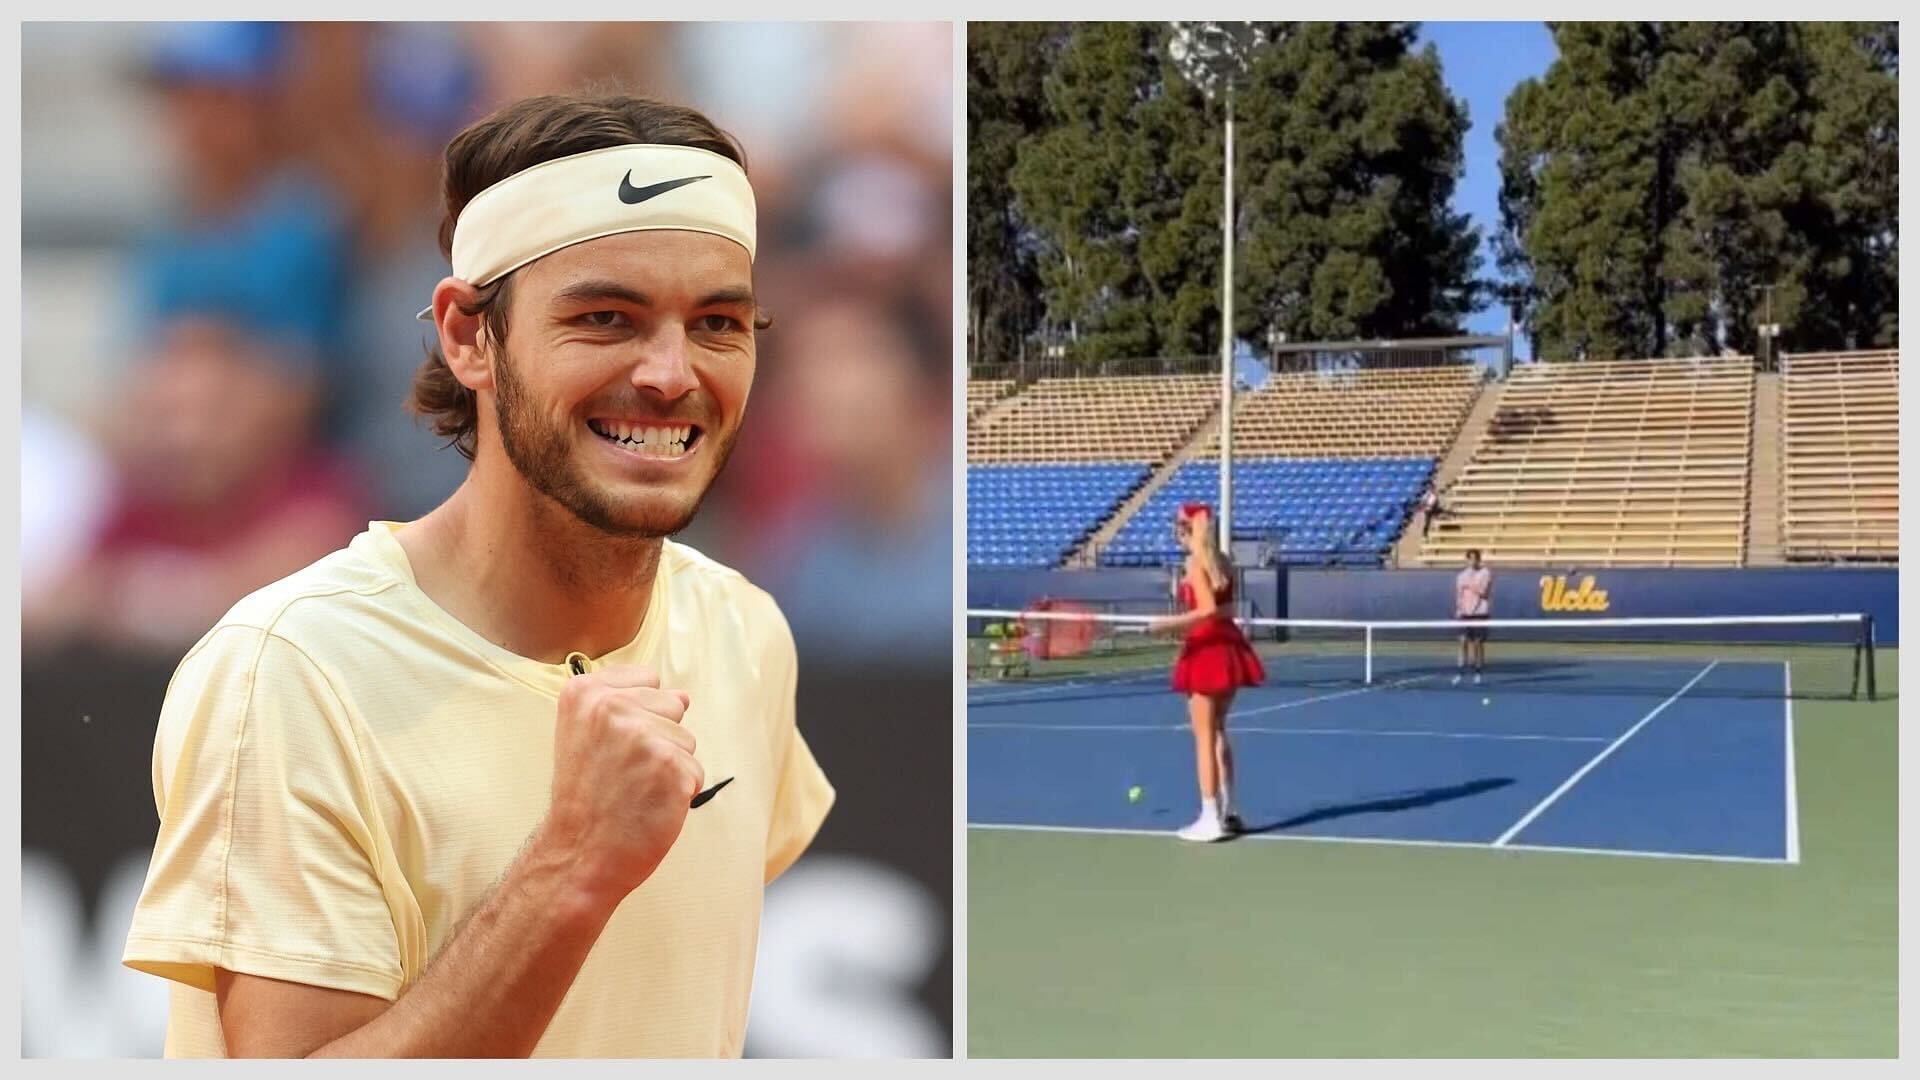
{"x": 1210, "y": 809}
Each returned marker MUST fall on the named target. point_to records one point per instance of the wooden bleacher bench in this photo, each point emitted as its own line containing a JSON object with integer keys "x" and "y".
{"x": 1609, "y": 463}
{"x": 1840, "y": 456}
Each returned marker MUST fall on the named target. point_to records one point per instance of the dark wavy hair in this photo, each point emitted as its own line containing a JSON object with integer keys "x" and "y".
{"x": 509, "y": 141}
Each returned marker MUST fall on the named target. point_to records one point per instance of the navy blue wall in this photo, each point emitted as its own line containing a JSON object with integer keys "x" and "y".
{"x": 1631, "y": 593}
{"x": 1139, "y": 591}
{"x": 1427, "y": 594}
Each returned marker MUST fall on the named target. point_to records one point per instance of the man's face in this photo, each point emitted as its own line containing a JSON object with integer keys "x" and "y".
{"x": 626, "y": 375}
{"x": 1473, "y": 560}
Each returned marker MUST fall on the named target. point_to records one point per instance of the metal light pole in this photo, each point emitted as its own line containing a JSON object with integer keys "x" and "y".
{"x": 1211, "y": 56}
{"x": 1226, "y": 349}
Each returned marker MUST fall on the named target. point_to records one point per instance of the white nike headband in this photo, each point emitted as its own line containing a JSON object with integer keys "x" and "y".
{"x": 566, "y": 201}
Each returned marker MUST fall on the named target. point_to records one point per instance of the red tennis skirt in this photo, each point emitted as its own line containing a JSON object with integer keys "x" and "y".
{"x": 1216, "y": 658}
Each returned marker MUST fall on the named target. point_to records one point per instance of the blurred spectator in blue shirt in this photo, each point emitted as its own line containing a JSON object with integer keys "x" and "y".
{"x": 251, "y": 236}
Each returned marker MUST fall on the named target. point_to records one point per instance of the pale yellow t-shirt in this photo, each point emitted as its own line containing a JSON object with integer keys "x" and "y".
{"x": 343, "y": 771}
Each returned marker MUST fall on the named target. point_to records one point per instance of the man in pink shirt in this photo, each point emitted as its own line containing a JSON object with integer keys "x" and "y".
{"x": 1473, "y": 599}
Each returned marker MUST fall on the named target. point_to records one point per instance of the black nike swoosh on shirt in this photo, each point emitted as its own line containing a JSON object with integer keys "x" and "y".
{"x": 630, "y": 194}
{"x": 701, "y": 799}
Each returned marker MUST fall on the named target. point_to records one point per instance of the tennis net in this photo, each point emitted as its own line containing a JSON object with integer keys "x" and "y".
{"x": 1829, "y": 656}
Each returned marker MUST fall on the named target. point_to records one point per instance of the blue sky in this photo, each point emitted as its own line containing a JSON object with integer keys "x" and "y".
{"x": 1483, "y": 62}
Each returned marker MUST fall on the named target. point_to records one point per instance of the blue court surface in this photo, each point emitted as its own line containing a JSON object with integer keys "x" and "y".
{"x": 1677, "y": 758}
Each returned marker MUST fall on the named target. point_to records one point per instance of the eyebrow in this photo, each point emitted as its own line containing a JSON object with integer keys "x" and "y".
{"x": 583, "y": 291}
{"x": 734, "y": 295}
{"x": 588, "y": 291}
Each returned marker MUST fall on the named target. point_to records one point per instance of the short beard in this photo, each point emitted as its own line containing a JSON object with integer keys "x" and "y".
{"x": 543, "y": 456}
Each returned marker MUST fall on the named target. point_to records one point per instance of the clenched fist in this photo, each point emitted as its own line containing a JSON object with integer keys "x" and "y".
{"x": 623, "y": 776}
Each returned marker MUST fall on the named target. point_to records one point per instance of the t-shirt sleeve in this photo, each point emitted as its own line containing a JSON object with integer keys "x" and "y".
{"x": 265, "y": 862}
{"x": 803, "y": 796}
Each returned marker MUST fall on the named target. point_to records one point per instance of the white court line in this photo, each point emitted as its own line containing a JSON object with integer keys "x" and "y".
{"x": 1323, "y": 697}
{"x": 1049, "y": 690}
{"x": 1793, "y": 787}
{"x": 1381, "y": 841}
{"x": 1541, "y": 807}
{"x": 1016, "y": 725}
{"x": 1146, "y": 674}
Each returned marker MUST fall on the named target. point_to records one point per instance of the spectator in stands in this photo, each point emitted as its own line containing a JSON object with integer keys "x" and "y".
{"x": 525, "y": 59}
{"x": 1473, "y": 600}
{"x": 421, "y": 86}
{"x": 864, "y": 403}
{"x": 236, "y": 294}
{"x": 220, "y": 490}
{"x": 251, "y": 237}
{"x": 1429, "y": 508}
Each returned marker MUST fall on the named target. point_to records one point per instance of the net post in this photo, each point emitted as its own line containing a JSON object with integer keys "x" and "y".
{"x": 1859, "y": 653}
{"x": 1369, "y": 632}
{"x": 1866, "y": 633}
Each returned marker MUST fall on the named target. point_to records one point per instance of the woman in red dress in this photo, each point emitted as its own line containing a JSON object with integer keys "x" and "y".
{"x": 1215, "y": 661}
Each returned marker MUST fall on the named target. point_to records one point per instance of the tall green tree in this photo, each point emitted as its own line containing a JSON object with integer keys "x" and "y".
{"x": 1121, "y": 194}
{"x": 1352, "y": 148}
{"x": 1348, "y": 149}
{"x": 1586, "y": 192}
{"x": 1854, "y": 165}
{"x": 1666, "y": 187}
{"x": 1006, "y": 64}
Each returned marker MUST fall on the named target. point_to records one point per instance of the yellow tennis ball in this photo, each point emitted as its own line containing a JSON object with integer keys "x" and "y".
{"x": 1134, "y": 793}
{"x": 1486, "y": 701}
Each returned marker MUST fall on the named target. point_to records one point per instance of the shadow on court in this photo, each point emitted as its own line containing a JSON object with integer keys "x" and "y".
{"x": 1392, "y": 804}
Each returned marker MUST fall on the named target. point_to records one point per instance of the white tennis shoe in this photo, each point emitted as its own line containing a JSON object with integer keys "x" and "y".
{"x": 1204, "y": 830}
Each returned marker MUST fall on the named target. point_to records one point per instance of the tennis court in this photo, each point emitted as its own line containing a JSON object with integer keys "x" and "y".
{"x": 1610, "y": 847}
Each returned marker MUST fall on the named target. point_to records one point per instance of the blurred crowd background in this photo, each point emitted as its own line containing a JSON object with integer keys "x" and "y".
{"x": 226, "y": 232}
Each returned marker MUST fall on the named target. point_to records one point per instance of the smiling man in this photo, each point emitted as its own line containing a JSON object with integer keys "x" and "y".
{"x": 509, "y": 779}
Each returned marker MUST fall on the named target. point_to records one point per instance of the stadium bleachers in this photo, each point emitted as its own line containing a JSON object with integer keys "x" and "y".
{"x": 1331, "y": 462}
{"x": 1065, "y": 453}
{"x": 984, "y": 394}
{"x": 1143, "y": 418}
{"x": 1326, "y": 511}
{"x": 1841, "y": 457}
{"x": 1327, "y": 465}
{"x": 1608, "y": 463}
{"x": 1374, "y": 413}
{"x": 1590, "y": 463}
{"x": 1035, "y": 515}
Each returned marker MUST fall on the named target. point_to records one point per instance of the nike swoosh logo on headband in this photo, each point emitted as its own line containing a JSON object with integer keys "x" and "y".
{"x": 700, "y": 799}
{"x": 630, "y": 194}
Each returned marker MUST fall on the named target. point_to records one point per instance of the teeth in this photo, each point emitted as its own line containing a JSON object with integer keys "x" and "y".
{"x": 647, "y": 440}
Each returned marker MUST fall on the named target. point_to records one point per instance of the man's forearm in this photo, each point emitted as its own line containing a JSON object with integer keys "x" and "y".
{"x": 494, "y": 988}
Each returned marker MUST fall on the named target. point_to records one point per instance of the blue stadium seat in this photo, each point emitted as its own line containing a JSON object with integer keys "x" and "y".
{"x": 1310, "y": 512}
{"x": 1035, "y": 515}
